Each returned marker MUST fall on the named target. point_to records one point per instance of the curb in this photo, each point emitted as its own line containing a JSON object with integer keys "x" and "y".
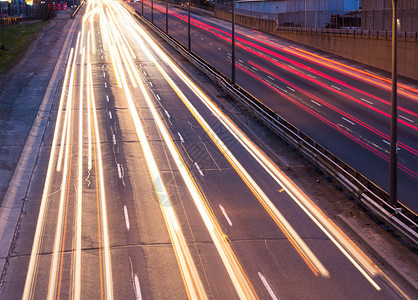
{"x": 393, "y": 264}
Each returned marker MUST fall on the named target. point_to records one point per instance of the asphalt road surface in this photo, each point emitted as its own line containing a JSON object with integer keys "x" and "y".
{"x": 344, "y": 108}
{"x": 145, "y": 189}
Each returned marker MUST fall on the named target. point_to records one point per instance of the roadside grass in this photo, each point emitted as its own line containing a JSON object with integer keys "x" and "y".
{"x": 17, "y": 39}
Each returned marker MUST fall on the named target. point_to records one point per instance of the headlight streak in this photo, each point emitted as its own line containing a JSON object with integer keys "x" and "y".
{"x": 33, "y": 261}
{"x": 78, "y": 227}
{"x": 107, "y": 257}
{"x": 307, "y": 255}
{"x": 337, "y": 237}
{"x": 57, "y": 248}
{"x": 193, "y": 284}
{"x": 235, "y": 271}
{"x": 67, "y": 111}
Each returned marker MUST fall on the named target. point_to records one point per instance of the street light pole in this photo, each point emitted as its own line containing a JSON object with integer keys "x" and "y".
{"x": 188, "y": 29}
{"x": 393, "y": 178}
{"x": 233, "y": 44}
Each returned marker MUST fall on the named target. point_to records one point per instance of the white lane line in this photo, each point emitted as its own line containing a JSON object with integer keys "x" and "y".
{"x": 211, "y": 44}
{"x": 105, "y": 85}
{"x": 119, "y": 172}
{"x": 336, "y": 87}
{"x": 254, "y": 68}
{"x": 271, "y": 78}
{"x": 114, "y": 140}
{"x": 366, "y": 101}
{"x": 405, "y": 118}
{"x": 289, "y": 88}
{"x": 220, "y": 49}
{"x": 104, "y": 75}
{"x": 202, "y": 39}
{"x": 225, "y": 215}
{"x": 125, "y": 210}
{"x": 352, "y": 123}
{"x": 241, "y": 61}
{"x": 181, "y": 138}
{"x": 107, "y": 98}
{"x": 198, "y": 168}
{"x": 386, "y": 142}
{"x": 311, "y": 76}
{"x": 158, "y": 97}
{"x": 137, "y": 289}
{"x": 316, "y": 103}
{"x": 102, "y": 56}
{"x": 229, "y": 54}
{"x": 150, "y": 83}
{"x": 267, "y": 286}
{"x": 110, "y": 114}
{"x": 167, "y": 114}
{"x": 145, "y": 73}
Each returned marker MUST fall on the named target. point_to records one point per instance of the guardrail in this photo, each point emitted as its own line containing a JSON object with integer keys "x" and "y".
{"x": 77, "y": 9}
{"x": 373, "y": 198}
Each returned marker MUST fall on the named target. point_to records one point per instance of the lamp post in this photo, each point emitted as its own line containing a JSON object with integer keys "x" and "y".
{"x": 393, "y": 178}
{"x": 233, "y": 44}
{"x": 188, "y": 28}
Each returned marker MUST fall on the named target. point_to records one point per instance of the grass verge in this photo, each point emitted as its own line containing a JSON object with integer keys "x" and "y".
{"x": 17, "y": 39}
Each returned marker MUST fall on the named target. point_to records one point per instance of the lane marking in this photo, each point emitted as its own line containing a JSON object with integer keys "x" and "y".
{"x": 405, "y": 118}
{"x": 110, "y": 114}
{"x": 181, "y": 138}
{"x": 119, "y": 172}
{"x": 125, "y": 210}
{"x": 311, "y": 76}
{"x": 281, "y": 190}
{"x": 167, "y": 114}
{"x": 145, "y": 73}
{"x": 240, "y": 60}
{"x": 220, "y": 49}
{"x": 289, "y": 88}
{"x": 202, "y": 39}
{"x": 336, "y": 87}
{"x": 158, "y": 97}
{"x": 254, "y": 68}
{"x": 352, "y": 123}
{"x": 229, "y": 54}
{"x": 367, "y": 101}
{"x": 319, "y": 104}
{"x": 104, "y": 74}
{"x": 198, "y": 168}
{"x": 107, "y": 98}
{"x": 211, "y": 44}
{"x": 137, "y": 289}
{"x": 225, "y": 215}
{"x": 269, "y": 77}
{"x": 150, "y": 83}
{"x": 114, "y": 139}
{"x": 105, "y": 84}
{"x": 267, "y": 286}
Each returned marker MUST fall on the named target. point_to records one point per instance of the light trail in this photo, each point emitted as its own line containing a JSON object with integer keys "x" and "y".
{"x": 342, "y": 242}
{"x": 29, "y": 287}
{"x": 193, "y": 284}
{"x": 54, "y": 268}
{"x": 77, "y": 253}
{"x": 307, "y": 255}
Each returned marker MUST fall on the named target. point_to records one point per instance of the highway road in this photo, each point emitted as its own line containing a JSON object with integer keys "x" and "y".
{"x": 146, "y": 189}
{"x": 344, "y": 108}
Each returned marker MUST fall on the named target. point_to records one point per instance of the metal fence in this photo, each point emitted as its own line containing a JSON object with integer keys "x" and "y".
{"x": 379, "y": 19}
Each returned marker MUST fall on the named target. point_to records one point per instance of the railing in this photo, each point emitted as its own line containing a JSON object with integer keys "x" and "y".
{"x": 373, "y": 198}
